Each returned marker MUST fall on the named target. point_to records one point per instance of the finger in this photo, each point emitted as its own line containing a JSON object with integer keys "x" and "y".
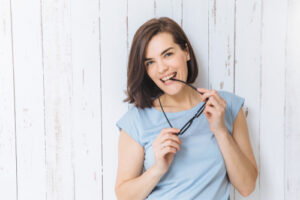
{"x": 171, "y": 136}
{"x": 209, "y": 111}
{"x": 208, "y": 94}
{"x": 204, "y": 93}
{"x": 213, "y": 111}
{"x": 219, "y": 98}
{"x": 202, "y": 90}
{"x": 169, "y": 130}
{"x": 170, "y": 143}
{"x": 167, "y": 150}
{"x": 164, "y": 135}
{"x": 213, "y": 102}
{"x": 219, "y": 105}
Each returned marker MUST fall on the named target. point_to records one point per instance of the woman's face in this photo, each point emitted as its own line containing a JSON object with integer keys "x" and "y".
{"x": 165, "y": 59}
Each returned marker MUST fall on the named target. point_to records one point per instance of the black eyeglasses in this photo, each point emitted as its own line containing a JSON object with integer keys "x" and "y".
{"x": 198, "y": 113}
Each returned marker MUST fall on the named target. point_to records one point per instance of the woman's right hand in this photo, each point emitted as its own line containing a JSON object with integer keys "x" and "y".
{"x": 166, "y": 144}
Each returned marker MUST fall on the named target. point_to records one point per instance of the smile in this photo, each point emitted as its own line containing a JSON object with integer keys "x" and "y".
{"x": 164, "y": 79}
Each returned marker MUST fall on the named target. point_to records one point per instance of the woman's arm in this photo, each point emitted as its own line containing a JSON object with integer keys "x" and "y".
{"x": 238, "y": 156}
{"x": 130, "y": 182}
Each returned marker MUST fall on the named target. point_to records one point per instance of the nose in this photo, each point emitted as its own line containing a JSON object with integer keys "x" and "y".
{"x": 161, "y": 66}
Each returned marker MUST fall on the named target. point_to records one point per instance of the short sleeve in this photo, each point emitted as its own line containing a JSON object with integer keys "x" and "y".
{"x": 128, "y": 122}
{"x": 237, "y": 103}
{"x": 233, "y": 105}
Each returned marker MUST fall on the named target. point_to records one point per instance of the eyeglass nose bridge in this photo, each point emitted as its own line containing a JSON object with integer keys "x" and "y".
{"x": 189, "y": 123}
{"x": 186, "y": 126}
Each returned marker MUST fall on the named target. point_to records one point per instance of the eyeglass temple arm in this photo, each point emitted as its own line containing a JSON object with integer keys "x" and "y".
{"x": 174, "y": 79}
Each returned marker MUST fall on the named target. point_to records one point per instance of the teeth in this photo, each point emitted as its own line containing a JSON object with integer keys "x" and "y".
{"x": 168, "y": 77}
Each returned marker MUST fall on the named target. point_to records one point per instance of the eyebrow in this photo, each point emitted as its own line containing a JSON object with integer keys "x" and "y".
{"x": 161, "y": 53}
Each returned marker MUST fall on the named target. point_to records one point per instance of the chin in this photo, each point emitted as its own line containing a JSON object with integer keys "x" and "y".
{"x": 173, "y": 91}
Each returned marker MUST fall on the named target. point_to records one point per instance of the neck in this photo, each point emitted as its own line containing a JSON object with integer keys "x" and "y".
{"x": 187, "y": 98}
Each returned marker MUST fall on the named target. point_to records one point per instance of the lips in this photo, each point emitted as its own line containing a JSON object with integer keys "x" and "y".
{"x": 168, "y": 77}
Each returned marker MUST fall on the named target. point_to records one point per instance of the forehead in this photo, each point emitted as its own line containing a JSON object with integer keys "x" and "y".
{"x": 158, "y": 44}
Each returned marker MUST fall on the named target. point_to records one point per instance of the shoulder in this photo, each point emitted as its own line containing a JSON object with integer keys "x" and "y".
{"x": 129, "y": 122}
{"x": 231, "y": 99}
{"x": 226, "y": 95}
{"x": 135, "y": 115}
{"x": 233, "y": 104}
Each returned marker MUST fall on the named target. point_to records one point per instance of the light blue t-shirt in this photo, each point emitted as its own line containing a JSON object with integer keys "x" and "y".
{"x": 198, "y": 170}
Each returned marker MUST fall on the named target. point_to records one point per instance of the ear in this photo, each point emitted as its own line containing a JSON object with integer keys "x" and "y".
{"x": 187, "y": 52}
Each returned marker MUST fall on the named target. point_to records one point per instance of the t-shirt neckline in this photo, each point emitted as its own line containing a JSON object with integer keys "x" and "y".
{"x": 179, "y": 112}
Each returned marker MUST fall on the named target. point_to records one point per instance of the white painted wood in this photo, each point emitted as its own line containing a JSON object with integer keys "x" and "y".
{"x": 274, "y": 19}
{"x": 59, "y": 87}
{"x": 195, "y": 25}
{"x": 8, "y": 175}
{"x": 221, "y": 44}
{"x": 221, "y": 48}
{"x": 113, "y": 27}
{"x": 292, "y": 99}
{"x": 247, "y": 72}
{"x": 86, "y": 100}
{"x": 139, "y": 11}
{"x": 56, "y": 86}
{"x": 29, "y": 100}
{"x": 169, "y": 8}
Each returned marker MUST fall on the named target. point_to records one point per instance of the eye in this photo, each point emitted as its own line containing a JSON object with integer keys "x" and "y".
{"x": 168, "y": 54}
{"x": 149, "y": 63}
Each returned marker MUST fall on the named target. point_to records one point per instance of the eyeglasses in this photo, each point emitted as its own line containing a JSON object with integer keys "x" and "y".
{"x": 198, "y": 113}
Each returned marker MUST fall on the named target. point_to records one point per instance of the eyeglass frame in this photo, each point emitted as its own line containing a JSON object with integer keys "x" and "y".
{"x": 198, "y": 113}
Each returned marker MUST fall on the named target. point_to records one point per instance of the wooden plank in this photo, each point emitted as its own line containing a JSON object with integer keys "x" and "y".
{"x": 58, "y": 75}
{"x": 29, "y": 94}
{"x": 8, "y": 175}
{"x": 113, "y": 27}
{"x": 221, "y": 44}
{"x": 195, "y": 25}
{"x": 272, "y": 99}
{"x": 221, "y": 48}
{"x": 292, "y": 99}
{"x": 169, "y": 8}
{"x": 139, "y": 11}
{"x": 247, "y": 72}
{"x": 86, "y": 100}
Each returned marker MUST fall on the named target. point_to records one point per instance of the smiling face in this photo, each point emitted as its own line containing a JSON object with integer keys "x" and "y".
{"x": 165, "y": 59}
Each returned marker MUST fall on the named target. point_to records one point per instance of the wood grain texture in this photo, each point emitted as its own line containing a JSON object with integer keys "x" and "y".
{"x": 139, "y": 11}
{"x": 86, "y": 100}
{"x": 272, "y": 146}
{"x": 29, "y": 99}
{"x": 169, "y": 8}
{"x": 113, "y": 27}
{"x": 247, "y": 72}
{"x": 63, "y": 71}
{"x": 221, "y": 48}
{"x": 221, "y": 44}
{"x": 8, "y": 165}
{"x": 195, "y": 21}
{"x": 292, "y": 99}
{"x": 59, "y": 88}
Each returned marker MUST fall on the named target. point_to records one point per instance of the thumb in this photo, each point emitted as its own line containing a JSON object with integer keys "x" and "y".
{"x": 202, "y": 90}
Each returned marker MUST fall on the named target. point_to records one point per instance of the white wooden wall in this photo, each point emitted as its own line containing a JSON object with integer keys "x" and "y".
{"x": 63, "y": 76}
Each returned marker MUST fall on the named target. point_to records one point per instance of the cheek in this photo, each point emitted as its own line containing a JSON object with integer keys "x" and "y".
{"x": 179, "y": 62}
{"x": 180, "y": 65}
{"x": 151, "y": 74}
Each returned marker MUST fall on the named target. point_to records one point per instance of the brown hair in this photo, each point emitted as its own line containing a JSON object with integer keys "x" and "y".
{"x": 141, "y": 90}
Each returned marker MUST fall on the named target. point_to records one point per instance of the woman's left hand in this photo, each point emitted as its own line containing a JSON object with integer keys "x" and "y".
{"x": 214, "y": 110}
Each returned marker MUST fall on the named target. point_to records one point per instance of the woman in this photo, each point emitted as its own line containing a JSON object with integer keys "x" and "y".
{"x": 162, "y": 157}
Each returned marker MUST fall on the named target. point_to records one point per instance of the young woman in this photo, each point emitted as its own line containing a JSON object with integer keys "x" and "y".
{"x": 179, "y": 142}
